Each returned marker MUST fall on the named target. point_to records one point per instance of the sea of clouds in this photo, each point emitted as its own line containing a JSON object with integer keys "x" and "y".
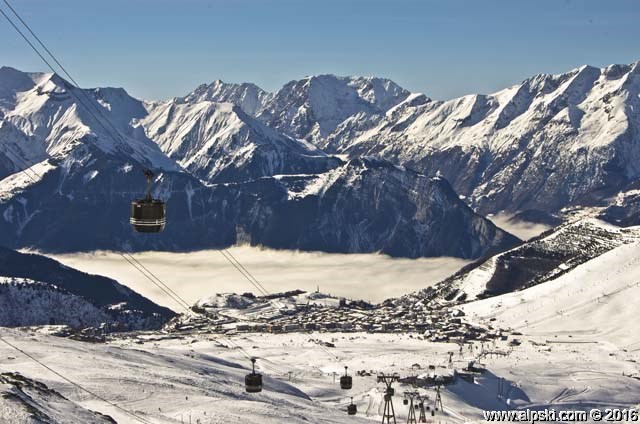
{"x": 194, "y": 275}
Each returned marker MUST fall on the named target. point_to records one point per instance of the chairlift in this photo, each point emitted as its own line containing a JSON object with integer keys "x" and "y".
{"x": 253, "y": 381}
{"x": 148, "y": 215}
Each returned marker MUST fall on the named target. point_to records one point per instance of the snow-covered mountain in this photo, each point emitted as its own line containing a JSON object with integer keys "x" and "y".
{"x": 57, "y": 118}
{"x": 219, "y": 142}
{"x": 36, "y": 290}
{"x": 77, "y": 196}
{"x": 312, "y": 108}
{"x": 549, "y": 142}
{"x": 537, "y": 261}
{"x": 82, "y": 202}
{"x": 249, "y": 97}
{"x": 369, "y": 205}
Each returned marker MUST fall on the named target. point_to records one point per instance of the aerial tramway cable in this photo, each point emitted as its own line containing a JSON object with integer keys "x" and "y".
{"x": 112, "y": 129}
{"x": 76, "y": 385}
{"x": 114, "y": 132}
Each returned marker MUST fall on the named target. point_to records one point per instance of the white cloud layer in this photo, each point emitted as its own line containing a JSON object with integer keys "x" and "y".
{"x": 199, "y": 274}
{"x": 522, "y": 229}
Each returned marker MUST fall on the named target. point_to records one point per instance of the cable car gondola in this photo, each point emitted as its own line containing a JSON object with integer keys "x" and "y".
{"x": 346, "y": 382}
{"x": 352, "y": 409}
{"x": 253, "y": 381}
{"x": 148, "y": 215}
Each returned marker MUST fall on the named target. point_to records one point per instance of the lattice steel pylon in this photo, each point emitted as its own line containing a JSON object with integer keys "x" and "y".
{"x": 438, "y": 401}
{"x": 410, "y": 397}
{"x": 388, "y": 380}
{"x": 423, "y": 415}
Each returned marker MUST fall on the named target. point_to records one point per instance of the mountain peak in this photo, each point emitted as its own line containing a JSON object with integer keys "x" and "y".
{"x": 313, "y": 107}
{"x": 248, "y": 96}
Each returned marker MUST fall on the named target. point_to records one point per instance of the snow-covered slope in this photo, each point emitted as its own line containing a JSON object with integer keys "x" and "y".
{"x": 219, "y": 142}
{"x": 537, "y": 261}
{"x": 170, "y": 378}
{"x": 17, "y": 150}
{"x": 61, "y": 118}
{"x": 25, "y": 302}
{"x": 200, "y": 381}
{"x": 36, "y": 290}
{"x": 27, "y": 401}
{"x": 596, "y": 300}
{"x": 312, "y": 108}
{"x": 249, "y": 97}
{"x": 551, "y": 141}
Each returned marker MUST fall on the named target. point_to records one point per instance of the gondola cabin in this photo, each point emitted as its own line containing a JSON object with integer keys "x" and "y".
{"x": 148, "y": 215}
{"x": 352, "y": 409}
{"x": 346, "y": 381}
{"x": 253, "y": 381}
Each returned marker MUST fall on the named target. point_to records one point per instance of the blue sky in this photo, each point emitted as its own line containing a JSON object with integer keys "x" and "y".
{"x": 157, "y": 49}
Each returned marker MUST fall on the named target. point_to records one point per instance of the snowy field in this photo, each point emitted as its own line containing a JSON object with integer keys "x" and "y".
{"x": 577, "y": 348}
{"x": 172, "y": 380}
{"x": 199, "y": 274}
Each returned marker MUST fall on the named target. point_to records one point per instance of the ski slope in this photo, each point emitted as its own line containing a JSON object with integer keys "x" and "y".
{"x": 163, "y": 383}
{"x": 593, "y": 301}
{"x": 169, "y": 378}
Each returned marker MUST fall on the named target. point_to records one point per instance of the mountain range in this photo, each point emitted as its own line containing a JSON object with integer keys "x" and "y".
{"x": 340, "y": 164}
{"x": 549, "y": 143}
{"x": 227, "y": 178}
